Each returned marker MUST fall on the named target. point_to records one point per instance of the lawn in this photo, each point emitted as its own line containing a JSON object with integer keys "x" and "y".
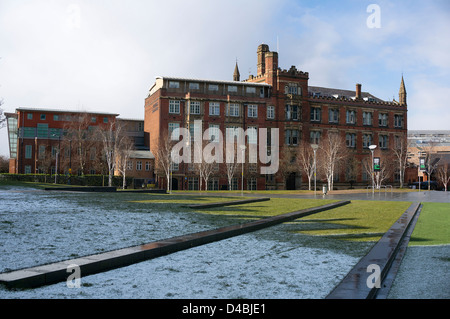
{"x": 358, "y": 221}
{"x": 433, "y": 225}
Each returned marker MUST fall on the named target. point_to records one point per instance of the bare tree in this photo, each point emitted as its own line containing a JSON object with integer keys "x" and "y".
{"x": 443, "y": 174}
{"x": 332, "y": 152}
{"x": 385, "y": 172}
{"x": 231, "y": 165}
{"x": 305, "y": 160}
{"x": 431, "y": 160}
{"x": 164, "y": 159}
{"x": 4, "y": 164}
{"x": 79, "y": 138}
{"x": 45, "y": 161}
{"x": 123, "y": 156}
{"x": 288, "y": 162}
{"x": 2, "y": 116}
{"x": 111, "y": 138}
{"x": 400, "y": 151}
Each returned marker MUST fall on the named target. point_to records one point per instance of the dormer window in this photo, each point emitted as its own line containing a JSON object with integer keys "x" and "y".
{"x": 174, "y": 84}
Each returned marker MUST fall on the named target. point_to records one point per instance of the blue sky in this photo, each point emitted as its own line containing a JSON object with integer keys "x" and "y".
{"x": 104, "y": 55}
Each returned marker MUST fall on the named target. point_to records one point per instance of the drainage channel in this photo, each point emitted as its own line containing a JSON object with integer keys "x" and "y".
{"x": 373, "y": 275}
{"x": 88, "y": 265}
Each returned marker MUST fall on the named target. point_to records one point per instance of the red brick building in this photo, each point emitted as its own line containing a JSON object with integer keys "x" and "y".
{"x": 274, "y": 98}
{"x": 36, "y": 135}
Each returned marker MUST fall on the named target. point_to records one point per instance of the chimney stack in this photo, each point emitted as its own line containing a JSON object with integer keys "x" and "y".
{"x": 358, "y": 91}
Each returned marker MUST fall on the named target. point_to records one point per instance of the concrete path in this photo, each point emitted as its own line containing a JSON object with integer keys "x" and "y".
{"x": 60, "y": 271}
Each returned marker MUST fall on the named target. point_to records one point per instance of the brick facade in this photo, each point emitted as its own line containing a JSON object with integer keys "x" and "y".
{"x": 283, "y": 100}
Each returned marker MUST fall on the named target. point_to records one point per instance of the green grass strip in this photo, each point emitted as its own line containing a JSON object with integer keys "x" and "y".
{"x": 358, "y": 221}
{"x": 433, "y": 225}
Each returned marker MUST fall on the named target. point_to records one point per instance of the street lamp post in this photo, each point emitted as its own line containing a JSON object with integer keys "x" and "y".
{"x": 315, "y": 147}
{"x": 372, "y": 148}
{"x": 242, "y": 169}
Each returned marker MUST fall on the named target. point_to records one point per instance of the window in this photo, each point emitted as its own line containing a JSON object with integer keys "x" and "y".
{"x": 42, "y": 130}
{"x": 252, "y": 135}
{"x": 350, "y": 140}
{"x": 383, "y": 141}
{"x": 139, "y": 165}
{"x": 291, "y": 137}
{"x": 93, "y": 119}
{"x": 367, "y": 118}
{"x": 213, "y": 87}
{"x": 234, "y": 184}
{"x": 292, "y": 89}
{"x": 194, "y": 130}
{"x": 93, "y": 153}
{"x": 234, "y": 110}
{"x": 232, "y": 88}
{"x": 315, "y": 114}
{"x": 291, "y": 112}
{"x": 174, "y": 166}
{"x": 174, "y": 84}
{"x": 193, "y": 183}
{"x": 213, "y": 184}
{"x": 105, "y": 120}
{"x": 173, "y": 127}
{"x": 398, "y": 121}
{"x": 43, "y": 117}
{"x": 382, "y": 119}
{"x": 314, "y": 137}
{"x": 174, "y": 107}
{"x": 29, "y": 132}
{"x": 129, "y": 165}
{"x": 351, "y": 117}
{"x": 271, "y": 112}
{"x": 55, "y": 117}
{"x": 194, "y": 86}
{"x": 251, "y": 184}
{"x": 29, "y": 116}
{"x": 233, "y": 132}
{"x": 367, "y": 140}
{"x": 194, "y": 107}
{"x": 27, "y": 169}
{"x": 41, "y": 153}
{"x": 214, "y": 131}
{"x": 252, "y": 110}
{"x": 28, "y": 151}
{"x": 333, "y": 116}
{"x": 214, "y": 108}
{"x": 147, "y": 165}
{"x": 250, "y": 90}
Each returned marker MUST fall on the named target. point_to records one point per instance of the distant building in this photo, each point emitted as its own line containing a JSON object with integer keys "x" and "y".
{"x": 49, "y": 141}
{"x": 36, "y": 135}
{"x": 421, "y": 143}
{"x": 274, "y": 98}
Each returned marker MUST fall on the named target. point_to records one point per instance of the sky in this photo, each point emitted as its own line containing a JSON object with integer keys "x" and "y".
{"x": 104, "y": 55}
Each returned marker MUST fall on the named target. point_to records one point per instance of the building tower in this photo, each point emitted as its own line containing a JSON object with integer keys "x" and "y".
{"x": 236, "y": 75}
{"x": 402, "y": 93}
{"x": 262, "y": 50}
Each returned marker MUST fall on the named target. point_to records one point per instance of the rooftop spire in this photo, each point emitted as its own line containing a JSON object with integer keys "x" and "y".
{"x": 402, "y": 93}
{"x": 236, "y": 75}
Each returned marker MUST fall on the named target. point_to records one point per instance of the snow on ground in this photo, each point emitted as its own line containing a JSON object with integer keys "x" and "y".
{"x": 38, "y": 227}
{"x": 424, "y": 274}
